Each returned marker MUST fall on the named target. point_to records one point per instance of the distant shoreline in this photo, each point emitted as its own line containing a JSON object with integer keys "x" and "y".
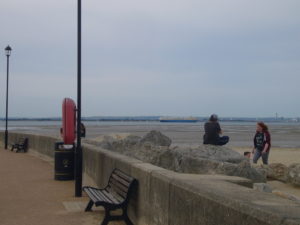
{"x": 241, "y": 134}
{"x": 157, "y": 119}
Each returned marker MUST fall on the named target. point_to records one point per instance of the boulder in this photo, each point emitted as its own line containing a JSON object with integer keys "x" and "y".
{"x": 262, "y": 187}
{"x": 202, "y": 159}
{"x": 243, "y": 169}
{"x": 293, "y": 175}
{"x": 169, "y": 159}
{"x": 277, "y": 171}
{"x": 190, "y": 164}
{"x": 262, "y": 169}
{"x": 213, "y": 152}
{"x": 132, "y": 140}
{"x": 156, "y": 138}
{"x": 119, "y": 145}
{"x": 154, "y": 148}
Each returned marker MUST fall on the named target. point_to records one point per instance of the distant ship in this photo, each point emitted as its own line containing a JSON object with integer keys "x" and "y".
{"x": 178, "y": 119}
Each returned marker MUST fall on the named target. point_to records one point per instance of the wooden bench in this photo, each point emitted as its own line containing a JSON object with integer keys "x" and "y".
{"x": 22, "y": 145}
{"x": 114, "y": 196}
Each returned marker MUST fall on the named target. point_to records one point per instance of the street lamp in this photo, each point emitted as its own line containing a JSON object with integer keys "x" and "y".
{"x": 78, "y": 150}
{"x": 7, "y": 53}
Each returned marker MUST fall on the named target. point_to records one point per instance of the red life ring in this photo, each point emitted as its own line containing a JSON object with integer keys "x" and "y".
{"x": 68, "y": 121}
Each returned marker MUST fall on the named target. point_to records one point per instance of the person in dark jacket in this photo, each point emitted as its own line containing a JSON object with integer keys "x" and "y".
{"x": 213, "y": 131}
{"x": 262, "y": 143}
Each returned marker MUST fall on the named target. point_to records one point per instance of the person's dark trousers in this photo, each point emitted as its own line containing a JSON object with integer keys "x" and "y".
{"x": 223, "y": 140}
{"x": 259, "y": 154}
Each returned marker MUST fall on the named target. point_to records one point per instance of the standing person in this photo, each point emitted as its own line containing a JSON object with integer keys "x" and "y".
{"x": 262, "y": 143}
{"x": 213, "y": 131}
{"x": 82, "y": 130}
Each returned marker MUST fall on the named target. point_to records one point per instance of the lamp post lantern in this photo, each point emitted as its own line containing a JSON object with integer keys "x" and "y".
{"x": 7, "y": 53}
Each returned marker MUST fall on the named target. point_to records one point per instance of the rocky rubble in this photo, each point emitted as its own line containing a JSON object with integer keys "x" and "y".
{"x": 277, "y": 171}
{"x": 155, "y": 148}
{"x": 281, "y": 172}
{"x": 293, "y": 174}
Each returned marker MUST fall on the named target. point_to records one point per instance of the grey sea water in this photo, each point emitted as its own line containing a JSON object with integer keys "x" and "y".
{"x": 240, "y": 133}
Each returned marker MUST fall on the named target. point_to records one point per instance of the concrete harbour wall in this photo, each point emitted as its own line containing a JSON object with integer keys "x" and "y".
{"x": 164, "y": 197}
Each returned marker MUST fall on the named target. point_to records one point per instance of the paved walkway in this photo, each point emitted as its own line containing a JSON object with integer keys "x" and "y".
{"x": 29, "y": 195}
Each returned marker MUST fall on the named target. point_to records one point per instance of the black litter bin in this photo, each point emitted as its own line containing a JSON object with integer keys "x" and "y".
{"x": 63, "y": 161}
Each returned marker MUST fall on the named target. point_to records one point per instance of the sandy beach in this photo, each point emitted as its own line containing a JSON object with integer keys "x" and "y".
{"x": 286, "y": 156}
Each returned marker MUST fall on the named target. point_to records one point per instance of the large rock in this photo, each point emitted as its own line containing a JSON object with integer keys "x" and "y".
{"x": 190, "y": 164}
{"x": 277, "y": 171}
{"x": 212, "y": 152}
{"x": 204, "y": 159}
{"x": 294, "y": 174}
{"x": 243, "y": 169}
{"x": 151, "y": 140}
{"x": 262, "y": 187}
{"x": 208, "y": 160}
{"x": 119, "y": 145}
{"x": 156, "y": 138}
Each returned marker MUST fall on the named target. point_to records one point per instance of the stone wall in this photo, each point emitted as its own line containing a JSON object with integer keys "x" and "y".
{"x": 165, "y": 197}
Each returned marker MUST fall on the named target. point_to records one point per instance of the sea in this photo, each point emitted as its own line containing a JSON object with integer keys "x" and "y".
{"x": 241, "y": 133}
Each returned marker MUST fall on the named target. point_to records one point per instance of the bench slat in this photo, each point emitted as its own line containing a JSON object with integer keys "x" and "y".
{"x": 120, "y": 188}
{"x": 109, "y": 196}
{"x": 101, "y": 195}
{"x": 120, "y": 180}
{"x": 124, "y": 176}
{"x": 115, "y": 194}
{"x": 94, "y": 195}
{"x": 119, "y": 185}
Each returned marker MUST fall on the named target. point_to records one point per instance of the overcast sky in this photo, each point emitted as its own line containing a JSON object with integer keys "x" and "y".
{"x": 158, "y": 57}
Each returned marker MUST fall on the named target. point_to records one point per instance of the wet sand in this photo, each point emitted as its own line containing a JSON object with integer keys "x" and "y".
{"x": 284, "y": 135}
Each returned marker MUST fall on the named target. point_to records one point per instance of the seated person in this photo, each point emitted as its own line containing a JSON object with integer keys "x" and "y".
{"x": 213, "y": 131}
{"x": 247, "y": 154}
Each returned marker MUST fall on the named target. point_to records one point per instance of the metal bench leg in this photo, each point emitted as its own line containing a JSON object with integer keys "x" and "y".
{"x": 19, "y": 149}
{"x": 22, "y": 149}
{"x": 106, "y": 218}
{"x": 126, "y": 218}
{"x": 89, "y": 206}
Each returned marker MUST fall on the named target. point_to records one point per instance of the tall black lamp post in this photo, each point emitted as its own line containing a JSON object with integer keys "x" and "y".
{"x": 7, "y": 53}
{"x": 78, "y": 150}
